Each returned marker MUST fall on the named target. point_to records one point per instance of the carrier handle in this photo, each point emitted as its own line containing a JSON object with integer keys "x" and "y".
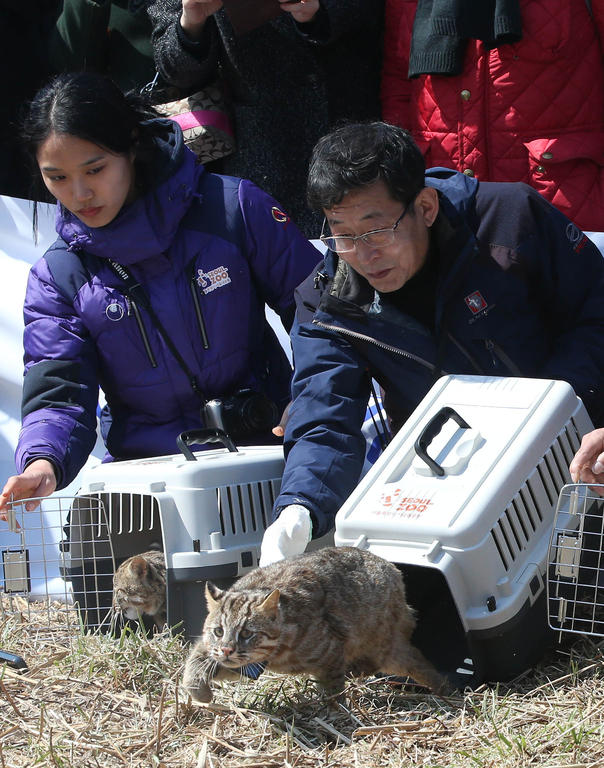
{"x": 17, "y": 662}
{"x": 429, "y": 432}
{"x": 205, "y": 435}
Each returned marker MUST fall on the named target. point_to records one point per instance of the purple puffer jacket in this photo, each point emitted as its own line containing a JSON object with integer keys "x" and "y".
{"x": 209, "y": 251}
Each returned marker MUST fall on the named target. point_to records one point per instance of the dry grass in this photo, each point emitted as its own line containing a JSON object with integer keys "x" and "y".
{"x": 98, "y": 701}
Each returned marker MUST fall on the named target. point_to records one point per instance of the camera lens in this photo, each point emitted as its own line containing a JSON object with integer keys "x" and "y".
{"x": 249, "y": 413}
{"x": 258, "y": 413}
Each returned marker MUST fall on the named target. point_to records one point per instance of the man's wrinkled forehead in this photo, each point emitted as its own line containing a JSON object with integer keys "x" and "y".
{"x": 365, "y": 204}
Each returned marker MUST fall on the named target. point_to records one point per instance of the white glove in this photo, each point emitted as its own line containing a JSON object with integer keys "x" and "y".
{"x": 287, "y": 536}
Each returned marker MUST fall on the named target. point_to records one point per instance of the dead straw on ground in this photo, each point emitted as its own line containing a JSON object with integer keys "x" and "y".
{"x": 97, "y": 701}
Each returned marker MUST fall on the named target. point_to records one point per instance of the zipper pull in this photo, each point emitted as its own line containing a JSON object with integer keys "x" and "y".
{"x": 490, "y": 348}
{"x": 319, "y": 278}
{"x": 128, "y": 306}
{"x": 196, "y": 389}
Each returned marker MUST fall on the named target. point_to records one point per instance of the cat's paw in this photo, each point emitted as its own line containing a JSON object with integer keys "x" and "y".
{"x": 200, "y": 691}
{"x": 195, "y": 679}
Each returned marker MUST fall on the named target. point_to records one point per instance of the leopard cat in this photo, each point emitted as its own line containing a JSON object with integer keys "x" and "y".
{"x": 139, "y": 587}
{"x": 329, "y": 613}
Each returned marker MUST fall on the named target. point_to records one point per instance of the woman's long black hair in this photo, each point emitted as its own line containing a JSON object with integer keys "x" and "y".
{"x": 91, "y": 107}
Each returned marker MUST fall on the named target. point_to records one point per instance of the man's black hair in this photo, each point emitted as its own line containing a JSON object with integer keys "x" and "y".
{"x": 357, "y": 154}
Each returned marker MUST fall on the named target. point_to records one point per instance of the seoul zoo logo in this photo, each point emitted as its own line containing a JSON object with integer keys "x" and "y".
{"x": 396, "y": 504}
{"x": 215, "y": 278}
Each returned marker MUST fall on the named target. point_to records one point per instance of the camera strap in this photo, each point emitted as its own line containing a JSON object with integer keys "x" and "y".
{"x": 138, "y": 296}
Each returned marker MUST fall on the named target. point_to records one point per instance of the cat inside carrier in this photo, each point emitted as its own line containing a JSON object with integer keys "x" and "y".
{"x": 463, "y": 501}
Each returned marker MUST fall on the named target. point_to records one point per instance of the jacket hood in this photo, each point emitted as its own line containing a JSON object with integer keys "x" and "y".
{"x": 457, "y": 188}
{"x": 147, "y": 226}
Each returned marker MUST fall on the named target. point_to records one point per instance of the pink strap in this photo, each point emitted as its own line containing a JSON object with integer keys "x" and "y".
{"x": 204, "y": 117}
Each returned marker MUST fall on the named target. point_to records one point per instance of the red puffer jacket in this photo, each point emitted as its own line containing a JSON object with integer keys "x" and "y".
{"x": 531, "y": 111}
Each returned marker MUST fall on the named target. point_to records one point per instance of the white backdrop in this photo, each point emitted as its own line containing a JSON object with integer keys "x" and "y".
{"x": 17, "y": 253}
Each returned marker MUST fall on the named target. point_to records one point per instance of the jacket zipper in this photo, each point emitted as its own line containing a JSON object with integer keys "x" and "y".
{"x": 141, "y": 328}
{"x": 479, "y": 370}
{"x": 198, "y": 313}
{"x": 380, "y": 344}
{"x": 499, "y": 356}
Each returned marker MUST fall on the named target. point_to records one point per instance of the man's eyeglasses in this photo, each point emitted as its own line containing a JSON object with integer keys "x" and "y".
{"x": 375, "y": 238}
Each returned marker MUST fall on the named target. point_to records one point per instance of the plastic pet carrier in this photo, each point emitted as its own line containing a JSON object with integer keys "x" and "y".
{"x": 463, "y": 501}
{"x": 206, "y": 510}
{"x": 575, "y": 580}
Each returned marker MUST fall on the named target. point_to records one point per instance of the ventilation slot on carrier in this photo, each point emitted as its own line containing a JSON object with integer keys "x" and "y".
{"x": 534, "y": 502}
{"x": 130, "y": 512}
{"x": 245, "y": 508}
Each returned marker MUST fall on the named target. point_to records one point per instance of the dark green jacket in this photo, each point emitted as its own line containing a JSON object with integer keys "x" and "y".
{"x": 103, "y": 36}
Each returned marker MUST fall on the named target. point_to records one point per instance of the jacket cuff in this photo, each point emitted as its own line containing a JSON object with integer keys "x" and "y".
{"x": 318, "y": 30}
{"x": 198, "y": 48}
{"x": 320, "y": 524}
{"x": 55, "y": 467}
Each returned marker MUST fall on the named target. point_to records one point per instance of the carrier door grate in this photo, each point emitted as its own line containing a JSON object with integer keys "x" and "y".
{"x": 575, "y": 579}
{"x": 57, "y": 566}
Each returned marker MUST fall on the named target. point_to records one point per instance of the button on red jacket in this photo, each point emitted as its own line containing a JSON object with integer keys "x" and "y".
{"x": 532, "y": 111}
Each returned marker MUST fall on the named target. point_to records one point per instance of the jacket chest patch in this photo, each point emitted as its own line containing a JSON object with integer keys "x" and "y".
{"x": 114, "y": 311}
{"x": 576, "y": 238}
{"x": 478, "y": 306}
{"x": 215, "y": 278}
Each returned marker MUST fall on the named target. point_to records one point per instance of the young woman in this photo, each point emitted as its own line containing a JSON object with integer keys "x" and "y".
{"x": 154, "y": 290}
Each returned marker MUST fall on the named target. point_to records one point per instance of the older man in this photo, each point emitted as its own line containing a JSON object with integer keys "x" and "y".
{"x": 427, "y": 273}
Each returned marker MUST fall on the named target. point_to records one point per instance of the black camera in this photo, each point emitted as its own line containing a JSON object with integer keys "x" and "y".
{"x": 243, "y": 414}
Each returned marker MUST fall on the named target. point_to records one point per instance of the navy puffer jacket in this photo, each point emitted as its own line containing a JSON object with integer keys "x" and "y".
{"x": 520, "y": 292}
{"x": 209, "y": 251}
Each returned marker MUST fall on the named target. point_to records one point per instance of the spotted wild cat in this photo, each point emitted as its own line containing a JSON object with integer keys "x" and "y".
{"x": 335, "y": 611}
{"x": 139, "y": 587}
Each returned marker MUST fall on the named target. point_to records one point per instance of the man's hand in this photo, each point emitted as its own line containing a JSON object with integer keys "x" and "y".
{"x": 302, "y": 11}
{"x": 194, "y": 15}
{"x": 287, "y": 536}
{"x": 37, "y": 479}
{"x": 588, "y": 464}
{"x": 279, "y": 430}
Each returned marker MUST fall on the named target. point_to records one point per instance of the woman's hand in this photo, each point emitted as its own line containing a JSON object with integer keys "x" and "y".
{"x": 37, "y": 479}
{"x": 302, "y": 11}
{"x": 588, "y": 464}
{"x": 195, "y": 13}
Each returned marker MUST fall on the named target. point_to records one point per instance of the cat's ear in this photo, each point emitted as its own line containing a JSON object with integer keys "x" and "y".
{"x": 139, "y": 566}
{"x": 270, "y": 604}
{"x": 213, "y": 594}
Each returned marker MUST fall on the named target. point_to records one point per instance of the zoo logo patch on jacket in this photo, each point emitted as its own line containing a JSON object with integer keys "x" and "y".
{"x": 215, "y": 278}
